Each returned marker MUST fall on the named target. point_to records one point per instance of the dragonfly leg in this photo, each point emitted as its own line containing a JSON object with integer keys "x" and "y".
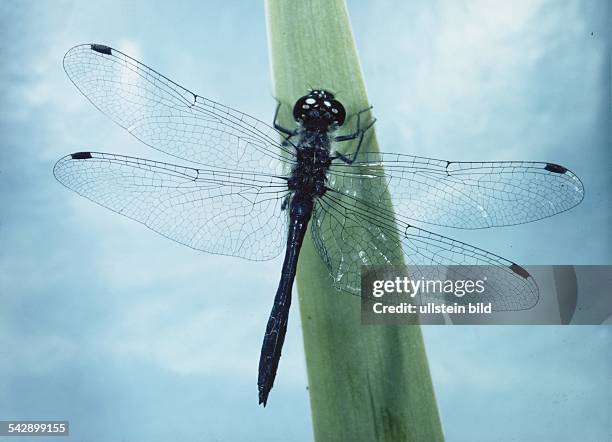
{"x": 280, "y": 128}
{"x": 357, "y": 114}
{"x": 360, "y": 132}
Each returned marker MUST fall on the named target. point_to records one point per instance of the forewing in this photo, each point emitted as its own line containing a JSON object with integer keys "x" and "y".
{"x": 350, "y": 233}
{"x": 170, "y": 118}
{"x": 224, "y": 212}
{"x": 467, "y": 195}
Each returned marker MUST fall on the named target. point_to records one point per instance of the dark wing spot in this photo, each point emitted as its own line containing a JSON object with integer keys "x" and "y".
{"x": 81, "y": 156}
{"x": 555, "y": 168}
{"x": 102, "y": 49}
{"x": 520, "y": 271}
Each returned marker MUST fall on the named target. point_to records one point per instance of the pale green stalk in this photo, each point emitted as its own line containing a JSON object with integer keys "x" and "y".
{"x": 367, "y": 383}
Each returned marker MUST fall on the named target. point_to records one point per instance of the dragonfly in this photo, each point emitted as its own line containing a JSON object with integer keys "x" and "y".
{"x": 238, "y": 186}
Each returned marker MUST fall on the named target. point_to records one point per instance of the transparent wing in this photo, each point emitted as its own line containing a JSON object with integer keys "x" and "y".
{"x": 168, "y": 117}
{"x": 466, "y": 195}
{"x": 350, "y": 233}
{"x": 224, "y": 212}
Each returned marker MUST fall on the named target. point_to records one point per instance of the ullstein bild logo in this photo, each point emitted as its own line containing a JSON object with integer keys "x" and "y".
{"x": 486, "y": 295}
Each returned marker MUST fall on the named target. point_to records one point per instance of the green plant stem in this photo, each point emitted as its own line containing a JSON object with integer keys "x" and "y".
{"x": 369, "y": 383}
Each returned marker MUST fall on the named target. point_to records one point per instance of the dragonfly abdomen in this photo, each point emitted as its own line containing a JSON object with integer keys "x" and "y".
{"x": 299, "y": 215}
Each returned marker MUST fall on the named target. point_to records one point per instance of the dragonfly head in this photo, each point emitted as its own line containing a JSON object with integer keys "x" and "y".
{"x": 319, "y": 110}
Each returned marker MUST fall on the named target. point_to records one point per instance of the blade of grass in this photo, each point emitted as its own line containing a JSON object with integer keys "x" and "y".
{"x": 366, "y": 382}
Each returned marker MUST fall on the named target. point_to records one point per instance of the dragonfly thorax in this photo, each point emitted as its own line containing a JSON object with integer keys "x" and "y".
{"x": 310, "y": 172}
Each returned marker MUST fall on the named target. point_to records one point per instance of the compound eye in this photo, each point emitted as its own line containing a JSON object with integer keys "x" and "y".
{"x": 301, "y": 107}
{"x": 338, "y": 112}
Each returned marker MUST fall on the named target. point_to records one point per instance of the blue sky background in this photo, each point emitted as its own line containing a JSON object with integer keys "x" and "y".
{"x": 132, "y": 337}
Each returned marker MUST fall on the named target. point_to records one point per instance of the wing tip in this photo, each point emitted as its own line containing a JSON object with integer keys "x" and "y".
{"x": 533, "y": 295}
{"x": 575, "y": 179}
{"x": 102, "y": 49}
